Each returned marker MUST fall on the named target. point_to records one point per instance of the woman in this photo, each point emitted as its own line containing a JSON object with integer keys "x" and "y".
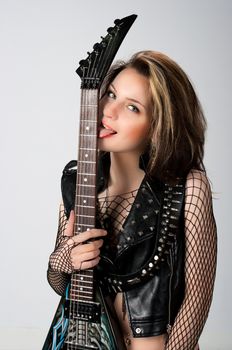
{"x": 151, "y": 138}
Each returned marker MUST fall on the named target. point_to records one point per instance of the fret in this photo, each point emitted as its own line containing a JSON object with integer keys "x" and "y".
{"x": 89, "y": 105}
{"x": 83, "y": 287}
{"x": 76, "y": 296}
{"x": 84, "y": 225}
{"x": 84, "y": 193}
{"x": 85, "y": 174}
{"x": 85, "y": 190}
{"x": 84, "y": 216}
{"x": 89, "y": 282}
{"x": 83, "y": 292}
{"x": 83, "y": 273}
{"x": 86, "y": 283}
{"x": 83, "y": 185}
{"x": 79, "y": 195}
{"x": 89, "y": 135}
{"x": 84, "y": 206}
{"x": 86, "y": 211}
{"x": 88, "y": 121}
{"x": 88, "y": 149}
{"x": 79, "y": 295}
{"x": 85, "y": 161}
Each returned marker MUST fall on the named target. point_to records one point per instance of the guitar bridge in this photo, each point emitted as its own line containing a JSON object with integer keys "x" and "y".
{"x": 82, "y": 310}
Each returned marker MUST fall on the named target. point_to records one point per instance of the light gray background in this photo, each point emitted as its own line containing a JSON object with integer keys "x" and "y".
{"x": 41, "y": 44}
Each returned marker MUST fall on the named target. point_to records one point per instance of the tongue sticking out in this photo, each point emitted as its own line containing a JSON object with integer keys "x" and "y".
{"x": 105, "y": 132}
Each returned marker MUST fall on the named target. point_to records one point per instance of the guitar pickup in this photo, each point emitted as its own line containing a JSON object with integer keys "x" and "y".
{"x": 82, "y": 310}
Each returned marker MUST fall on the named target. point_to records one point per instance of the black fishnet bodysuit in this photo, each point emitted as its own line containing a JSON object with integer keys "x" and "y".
{"x": 111, "y": 214}
{"x": 200, "y": 257}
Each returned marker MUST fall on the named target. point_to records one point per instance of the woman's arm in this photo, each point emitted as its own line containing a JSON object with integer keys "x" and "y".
{"x": 60, "y": 265}
{"x": 72, "y": 252}
{"x": 200, "y": 263}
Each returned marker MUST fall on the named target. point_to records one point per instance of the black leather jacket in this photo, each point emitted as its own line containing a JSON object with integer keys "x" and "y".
{"x": 148, "y": 266}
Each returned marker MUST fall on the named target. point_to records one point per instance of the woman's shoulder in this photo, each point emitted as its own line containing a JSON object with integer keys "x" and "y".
{"x": 197, "y": 179}
{"x": 197, "y": 187}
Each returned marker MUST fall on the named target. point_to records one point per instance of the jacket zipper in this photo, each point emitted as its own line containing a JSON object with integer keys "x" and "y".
{"x": 169, "y": 327}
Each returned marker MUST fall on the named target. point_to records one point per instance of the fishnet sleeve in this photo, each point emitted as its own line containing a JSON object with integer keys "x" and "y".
{"x": 60, "y": 267}
{"x": 200, "y": 263}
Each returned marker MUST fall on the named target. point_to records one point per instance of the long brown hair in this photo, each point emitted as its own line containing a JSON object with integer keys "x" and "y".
{"x": 178, "y": 125}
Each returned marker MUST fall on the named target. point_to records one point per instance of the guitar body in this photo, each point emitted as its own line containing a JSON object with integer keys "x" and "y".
{"x": 84, "y": 319}
{"x": 105, "y": 335}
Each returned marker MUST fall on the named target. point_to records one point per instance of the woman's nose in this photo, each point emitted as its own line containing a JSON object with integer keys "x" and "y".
{"x": 111, "y": 110}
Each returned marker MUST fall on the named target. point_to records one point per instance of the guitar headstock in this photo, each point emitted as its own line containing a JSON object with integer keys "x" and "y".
{"x": 93, "y": 69}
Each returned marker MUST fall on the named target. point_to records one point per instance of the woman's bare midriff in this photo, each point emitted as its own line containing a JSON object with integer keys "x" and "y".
{"x": 148, "y": 343}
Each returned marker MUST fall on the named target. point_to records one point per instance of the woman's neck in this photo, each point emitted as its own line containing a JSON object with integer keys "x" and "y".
{"x": 125, "y": 173}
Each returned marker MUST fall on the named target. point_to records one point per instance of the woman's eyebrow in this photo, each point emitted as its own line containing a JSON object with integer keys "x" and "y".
{"x": 129, "y": 98}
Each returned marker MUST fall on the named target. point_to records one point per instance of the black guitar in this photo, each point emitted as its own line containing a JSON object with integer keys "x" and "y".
{"x": 83, "y": 320}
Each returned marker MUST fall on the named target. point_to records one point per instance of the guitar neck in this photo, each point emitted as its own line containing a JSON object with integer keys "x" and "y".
{"x": 85, "y": 200}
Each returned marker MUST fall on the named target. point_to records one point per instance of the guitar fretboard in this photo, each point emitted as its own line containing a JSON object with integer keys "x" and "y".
{"x": 85, "y": 202}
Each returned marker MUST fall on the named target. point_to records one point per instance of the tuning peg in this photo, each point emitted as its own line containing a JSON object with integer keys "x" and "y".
{"x": 83, "y": 63}
{"x": 110, "y": 30}
{"x": 96, "y": 46}
{"x": 117, "y": 21}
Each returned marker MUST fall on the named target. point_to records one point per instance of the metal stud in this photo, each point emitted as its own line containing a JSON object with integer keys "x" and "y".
{"x": 138, "y": 330}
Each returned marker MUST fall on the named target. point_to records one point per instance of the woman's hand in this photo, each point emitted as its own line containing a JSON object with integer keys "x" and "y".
{"x": 85, "y": 248}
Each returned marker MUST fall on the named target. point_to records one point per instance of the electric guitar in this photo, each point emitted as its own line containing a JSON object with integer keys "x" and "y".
{"x": 83, "y": 319}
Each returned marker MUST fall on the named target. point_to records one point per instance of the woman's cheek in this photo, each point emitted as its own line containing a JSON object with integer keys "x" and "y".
{"x": 139, "y": 133}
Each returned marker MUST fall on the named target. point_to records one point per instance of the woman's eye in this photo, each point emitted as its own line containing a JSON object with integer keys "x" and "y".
{"x": 133, "y": 108}
{"x": 110, "y": 94}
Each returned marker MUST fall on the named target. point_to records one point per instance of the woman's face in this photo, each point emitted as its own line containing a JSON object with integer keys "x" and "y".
{"x": 126, "y": 113}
